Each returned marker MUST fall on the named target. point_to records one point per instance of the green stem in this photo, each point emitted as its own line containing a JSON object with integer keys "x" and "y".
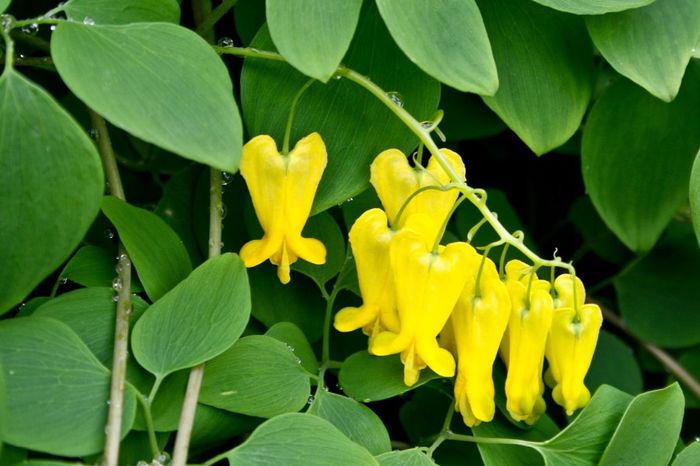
{"x": 444, "y": 432}
{"x": 492, "y": 440}
{"x": 290, "y": 119}
{"x": 330, "y": 300}
{"x": 148, "y": 416}
{"x": 441, "y": 233}
{"x": 210, "y": 20}
{"x": 154, "y": 389}
{"x": 217, "y": 458}
{"x": 29, "y": 22}
{"x": 395, "y": 222}
{"x": 9, "y": 49}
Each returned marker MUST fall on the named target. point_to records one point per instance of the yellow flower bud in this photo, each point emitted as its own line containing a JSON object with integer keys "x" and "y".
{"x": 370, "y": 238}
{"x": 478, "y": 322}
{"x": 427, "y": 287}
{"x": 528, "y": 327}
{"x": 282, "y": 188}
{"x": 571, "y": 343}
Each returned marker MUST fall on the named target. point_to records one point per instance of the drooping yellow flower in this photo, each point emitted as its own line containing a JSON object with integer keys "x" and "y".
{"x": 370, "y": 238}
{"x": 525, "y": 341}
{"x": 282, "y": 188}
{"x": 427, "y": 287}
{"x": 395, "y": 180}
{"x": 478, "y": 321}
{"x": 572, "y": 342}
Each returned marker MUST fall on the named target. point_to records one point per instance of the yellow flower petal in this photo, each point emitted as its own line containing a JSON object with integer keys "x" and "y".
{"x": 282, "y": 189}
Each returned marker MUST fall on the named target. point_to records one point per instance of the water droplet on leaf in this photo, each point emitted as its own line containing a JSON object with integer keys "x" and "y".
{"x": 88, "y": 21}
{"x": 396, "y": 98}
{"x": 225, "y": 42}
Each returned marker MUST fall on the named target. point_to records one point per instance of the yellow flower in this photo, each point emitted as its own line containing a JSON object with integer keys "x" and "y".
{"x": 572, "y": 342}
{"x": 395, "y": 180}
{"x": 427, "y": 287}
{"x": 370, "y": 238}
{"x": 524, "y": 344}
{"x": 282, "y": 188}
{"x": 478, "y": 322}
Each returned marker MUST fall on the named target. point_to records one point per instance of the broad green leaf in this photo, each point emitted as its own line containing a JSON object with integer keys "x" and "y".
{"x": 123, "y": 11}
{"x": 54, "y": 381}
{"x": 447, "y": 39}
{"x": 545, "y": 68}
{"x": 690, "y": 456}
{"x": 93, "y": 266}
{"x": 648, "y": 431}
{"x": 299, "y": 440}
{"x": 596, "y": 234}
{"x": 4, "y": 4}
{"x": 214, "y": 428}
{"x": 324, "y": 228}
{"x": 410, "y": 457}
{"x": 3, "y": 408}
{"x": 626, "y": 131}
{"x": 258, "y": 376}
{"x": 353, "y": 123}
{"x": 313, "y": 36}
{"x": 290, "y": 334}
{"x": 583, "y": 441}
{"x": 195, "y": 321}
{"x": 370, "y": 378}
{"x": 652, "y": 45}
{"x": 695, "y": 195}
{"x": 51, "y": 183}
{"x": 467, "y": 116}
{"x": 155, "y": 249}
{"x": 664, "y": 281}
{"x": 593, "y": 7}
{"x": 90, "y": 313}
{"x": 690, "y": 360}
{"x": 301, "y": 303}
{"x": 614, "y": 364}
{"x": 249, "y": 16}
{"x": 354, "y": 419}
{"x": 158, "y": 81}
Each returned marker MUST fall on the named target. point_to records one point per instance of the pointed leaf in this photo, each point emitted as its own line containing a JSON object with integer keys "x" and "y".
{"x": 50, "y": 184}
{"x": 195, "y": 321}
{"x": 652, "y": 45}
{"x": 630, "y": 132}
{"x": 690, "y": 456}
{"x": 160, "y": 82}
{"x": 313, "y": 36}
{"x": 545, "y": 69}
{"x": 447, "y": 39}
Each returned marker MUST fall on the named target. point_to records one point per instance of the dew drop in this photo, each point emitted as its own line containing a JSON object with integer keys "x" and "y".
{"x": 298, "y": 360}
{"x": 11, "y": 372}
{"x": 30, "y": 29}
{"x": 310, "y": 400}
{"x": 350, "y": 199}
{"x": 63, "y": 280}
{"x": 290, "y": 348}
{"x": 117, "y": 284}
{"x": 224, "y": 211}
{"x": 109, "y": 402}
{"x": 225, "y": 42}
{"x": 109, "y": 233}
{"x": 396, "y": 98}
{"x": 337, "y": 76}
{"x": 88, "y": 21}
{"x": 115, "y": 298}
{"x": 6, "y": 21}
{"x": 52, "y": 27}
{"x": 693, "y": 50}
{"x": 366, "y": 400}
{"x": 142, "y": 463}
{"x": 93, "y": 133}
{"x": 426, "y": 125}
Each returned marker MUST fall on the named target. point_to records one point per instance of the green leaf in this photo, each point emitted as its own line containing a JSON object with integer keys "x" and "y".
{"x": 290, "y": 334}
{"x": 353, "y": 123}
{"x": 596, "y": 234}
{"x": 258, "y": 376}
{"x": 155, "y": 249}
{"x": 324, "y": 228}
{"x": 313, "y": 36}
{"x": 4, "y": 4}
{"x": 214, "y": 428}
{"x": 494, "y": 455}
{"x": 135, "y": 447}
{"x": 583, "y": 441}
{"x": 695, "y": 195}
{"x": 355, "y": 420}
{"x": 447, "y": 39}
{"x": 158, "y": 81}
{"x": 410, "y": 457}
{"x": 614, "y": 364}
{"x": 90, "y": 313}
{"x": 51, "y": 183}
{"x": 648, "y": 431}
{"x": 195, "y": 321}
{"x": 370, "y": 378}
{"x": 593, "y": 7}
{"x": 467, "y": 116}
{"x": 93, "y": 266}
{"x": 652, "y": 45}
{"x": 123, "y": 11}
{"x": 690, "y": 360}
{"x": 54, "y": 381}
{"x": 167, "y": 404}
{"x": 3, "y": 407}
{"x": 294, "y": 439}
{"x": 690, "y": 456}
{"x": 663, "y": 281}
{"x": 626, "y": 131}
{"x": 273, "y": 302}
{"x": 545, "y": 68}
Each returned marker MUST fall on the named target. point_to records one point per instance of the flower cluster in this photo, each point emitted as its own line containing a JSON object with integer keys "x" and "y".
{"x": 433, "y": 303}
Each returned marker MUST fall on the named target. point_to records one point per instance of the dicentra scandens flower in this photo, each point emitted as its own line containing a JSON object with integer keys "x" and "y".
{"x": 395, "y": 180}
{"x": 282, "y": 188}
{"x": 370, "y": 238}
{"x": 572, "y": 342}
{"x": 523, "y": 347}
{"x": 478, "y": 322}
{"x": 427, "y": 287}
